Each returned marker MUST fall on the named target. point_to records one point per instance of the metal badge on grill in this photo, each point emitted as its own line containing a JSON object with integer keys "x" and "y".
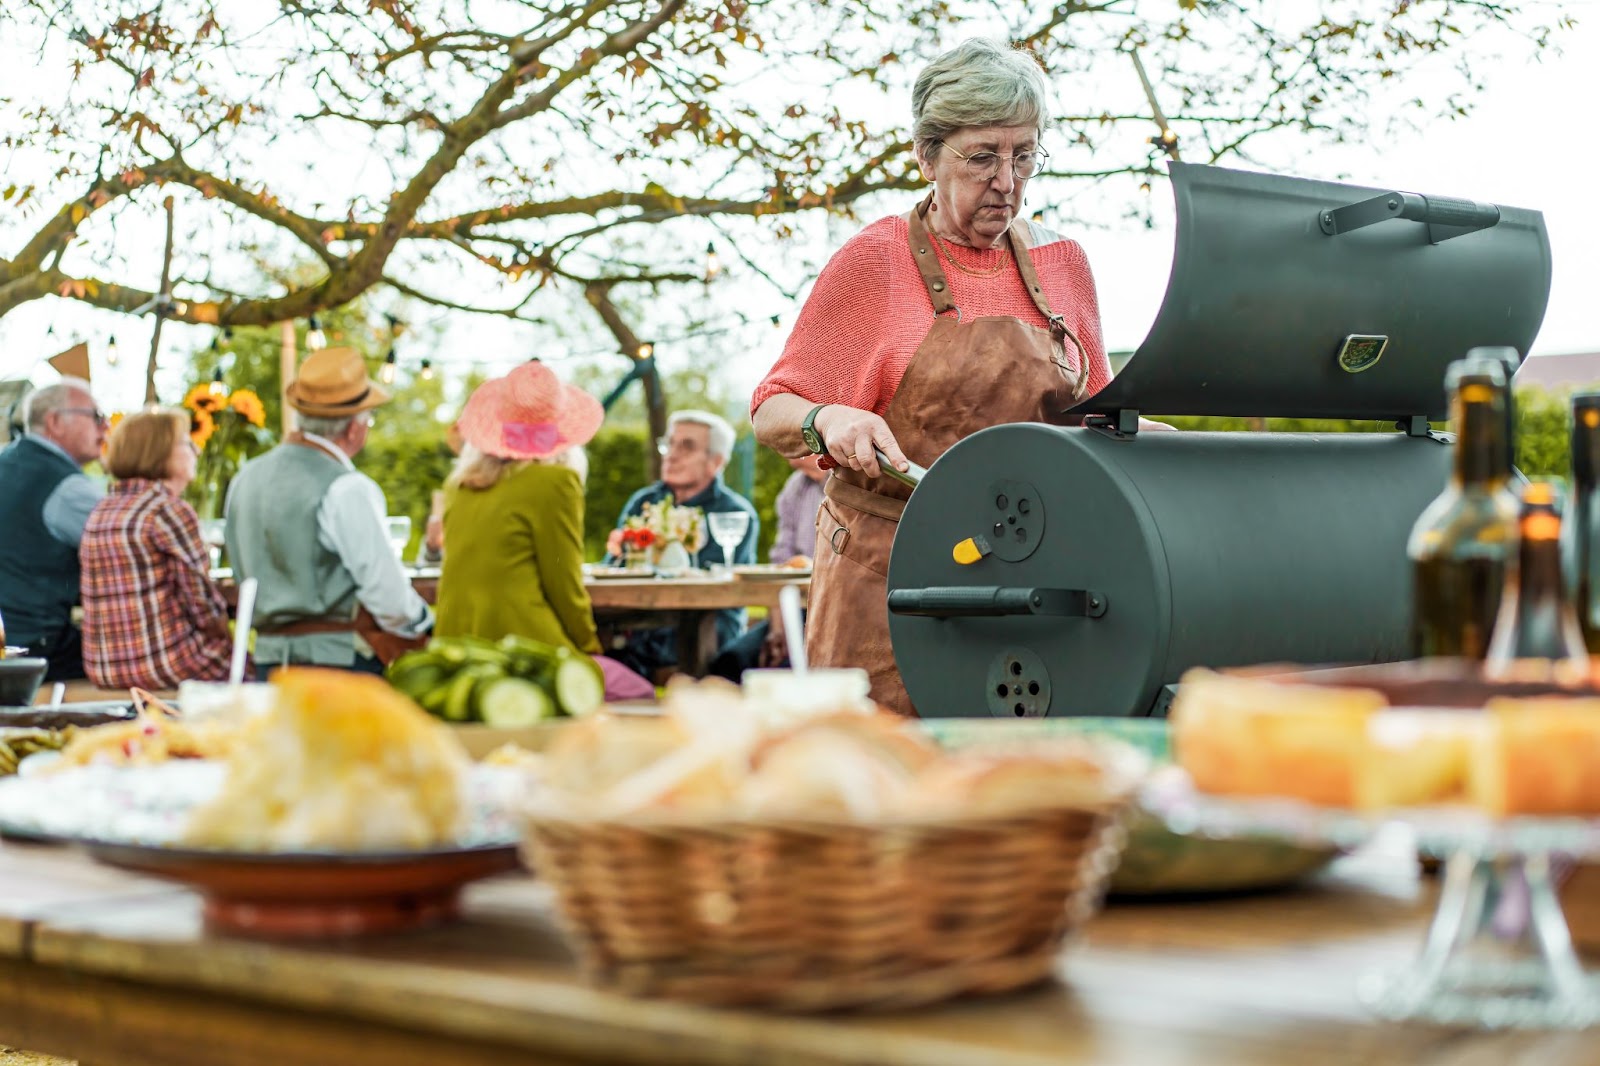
{"x": 1361, "y": 351}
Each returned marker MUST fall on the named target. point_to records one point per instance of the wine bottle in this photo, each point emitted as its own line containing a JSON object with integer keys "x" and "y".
{"x": 1537, "y": 634}
{"x": 1461, "y": 545}
{"x": 1583, "y": 524}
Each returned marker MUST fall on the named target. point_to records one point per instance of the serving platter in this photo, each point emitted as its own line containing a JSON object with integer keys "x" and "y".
{"x": 769, "y": 571}
{"x": 617, "y": 573}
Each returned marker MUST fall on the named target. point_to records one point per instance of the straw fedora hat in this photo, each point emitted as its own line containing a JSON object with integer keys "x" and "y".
{"x": 333, "y": 383}
{"x": 529, "y": 414}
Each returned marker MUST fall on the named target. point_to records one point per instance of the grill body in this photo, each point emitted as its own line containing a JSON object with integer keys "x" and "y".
{"x": 1207, "y": 549}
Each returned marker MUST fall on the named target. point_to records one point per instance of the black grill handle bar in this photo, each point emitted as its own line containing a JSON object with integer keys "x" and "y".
{"x": 1453, "y": 217}
{"x": 994, "y": 601}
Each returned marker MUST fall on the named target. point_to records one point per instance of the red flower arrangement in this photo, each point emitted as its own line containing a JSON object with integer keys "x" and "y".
{"x": 638, "y": 539}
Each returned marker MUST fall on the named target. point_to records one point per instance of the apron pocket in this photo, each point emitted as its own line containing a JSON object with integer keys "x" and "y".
{"x": 864, "y": 539}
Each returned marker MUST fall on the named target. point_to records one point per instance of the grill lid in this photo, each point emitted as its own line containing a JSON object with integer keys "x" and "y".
{"x": 1311, "y": 299}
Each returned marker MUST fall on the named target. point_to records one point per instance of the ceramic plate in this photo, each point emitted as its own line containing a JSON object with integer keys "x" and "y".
{"x": 612, "y": 573}
{"x": 770, "y": 570}
{"x": 314, "y": 895}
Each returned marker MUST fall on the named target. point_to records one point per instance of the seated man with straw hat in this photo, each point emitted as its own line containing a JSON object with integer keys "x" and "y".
{"x": 310, "y": 528}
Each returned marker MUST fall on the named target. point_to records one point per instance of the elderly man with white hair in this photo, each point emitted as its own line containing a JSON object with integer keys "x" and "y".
{"x": 693, "y": 455}
{"x": 46, "y": 499}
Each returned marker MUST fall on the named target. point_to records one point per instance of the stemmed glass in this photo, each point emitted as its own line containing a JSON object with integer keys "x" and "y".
{"x": 728, "y": 529}
{"x": 399, "y": 534}
{"x": 213, "y": 531}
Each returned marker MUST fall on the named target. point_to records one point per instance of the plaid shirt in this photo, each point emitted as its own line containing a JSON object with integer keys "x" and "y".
{"x": 151, "y": 616}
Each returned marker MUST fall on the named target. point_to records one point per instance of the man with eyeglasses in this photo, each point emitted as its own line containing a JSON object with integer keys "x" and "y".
{"x": 693, "y": 454}
{"x": 46, "y": 498}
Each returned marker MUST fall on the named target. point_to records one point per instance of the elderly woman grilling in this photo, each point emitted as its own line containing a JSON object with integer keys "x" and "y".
{"x": 927, "y": 327}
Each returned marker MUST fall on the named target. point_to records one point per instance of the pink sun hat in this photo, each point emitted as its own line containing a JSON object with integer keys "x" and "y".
{"x": 529, "y": 414}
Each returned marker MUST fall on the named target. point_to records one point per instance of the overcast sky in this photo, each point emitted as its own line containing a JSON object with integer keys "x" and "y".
{"x": 1529, "y": 142}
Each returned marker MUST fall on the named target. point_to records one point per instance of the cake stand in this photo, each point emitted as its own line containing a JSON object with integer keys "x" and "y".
{"x": 1497, "y": 953}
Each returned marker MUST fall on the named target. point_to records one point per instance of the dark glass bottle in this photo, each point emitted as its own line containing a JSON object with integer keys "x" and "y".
{"x": 1583, "y": 517}
{"x": 1537, "y": 622}
{"x": 1462, "y": 543}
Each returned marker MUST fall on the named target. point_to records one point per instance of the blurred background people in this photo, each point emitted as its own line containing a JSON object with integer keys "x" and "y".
{"x": 151, "y": 615}
{"x": 312, "y": 530}
{"x": 764, "y": 644}
{"x": 513, "y": 517}
{"x": 693, "y": 455}
{"x": 45, "y": 499}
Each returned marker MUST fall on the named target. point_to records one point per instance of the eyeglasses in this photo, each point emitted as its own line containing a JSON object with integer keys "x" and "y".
{"x": 983, "y": 166}
{"x": 682, "y": 446}
{"x": 87, "y": 412}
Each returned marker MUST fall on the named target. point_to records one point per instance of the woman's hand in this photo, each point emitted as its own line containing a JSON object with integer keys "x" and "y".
{"x": 614, "y": 543}
{"x": 852, "y": 433}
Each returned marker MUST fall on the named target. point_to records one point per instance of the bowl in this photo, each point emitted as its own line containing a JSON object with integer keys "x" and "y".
{"x": 1156, "y": 861}
{"x": 19, "y": 680}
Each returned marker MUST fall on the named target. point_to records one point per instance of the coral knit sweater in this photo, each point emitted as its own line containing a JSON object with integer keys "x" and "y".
{"x": 869, "y": 311}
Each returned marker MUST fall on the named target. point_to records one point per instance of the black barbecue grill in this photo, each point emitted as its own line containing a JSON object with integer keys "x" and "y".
{"x": 1108, "y": 561}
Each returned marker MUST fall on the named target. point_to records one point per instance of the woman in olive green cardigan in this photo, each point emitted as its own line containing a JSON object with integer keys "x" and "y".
{"x": 513, "y": 521}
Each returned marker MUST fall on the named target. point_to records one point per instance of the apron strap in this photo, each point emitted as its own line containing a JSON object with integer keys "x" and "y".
{"x": 1018, "y": 234}
{"x": 933, "y": 277}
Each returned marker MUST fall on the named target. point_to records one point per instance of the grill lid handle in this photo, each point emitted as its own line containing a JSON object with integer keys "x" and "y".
{"x": 1445, "y": 216}
{"x": 994, "y": 601}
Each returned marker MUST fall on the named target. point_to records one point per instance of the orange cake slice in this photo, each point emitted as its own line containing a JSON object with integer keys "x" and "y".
{"x": 1538, "y": 756}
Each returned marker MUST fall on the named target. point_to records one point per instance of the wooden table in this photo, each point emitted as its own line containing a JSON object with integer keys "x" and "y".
{"x": 687, "y": 603}
{"x": 117, "y": 973}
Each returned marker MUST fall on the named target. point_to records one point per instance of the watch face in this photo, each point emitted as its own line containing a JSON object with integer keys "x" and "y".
{"x": 813, "y": 441}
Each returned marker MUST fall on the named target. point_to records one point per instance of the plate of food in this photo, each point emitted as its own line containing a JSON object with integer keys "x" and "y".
{"x": 340, "y": 809}
{"x": 618, "y": 573}
{"x": 770, "y": 571}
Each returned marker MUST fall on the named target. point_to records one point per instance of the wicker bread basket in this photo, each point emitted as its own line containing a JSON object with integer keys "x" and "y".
{"x": 807, "y": 916}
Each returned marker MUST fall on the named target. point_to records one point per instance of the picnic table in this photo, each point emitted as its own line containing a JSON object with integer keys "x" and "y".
{"x": 688, "y": 603}
{"x": 116, "y": 970}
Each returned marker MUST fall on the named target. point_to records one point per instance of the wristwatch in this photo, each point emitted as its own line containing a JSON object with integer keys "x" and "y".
{"x": 808, "y": 431}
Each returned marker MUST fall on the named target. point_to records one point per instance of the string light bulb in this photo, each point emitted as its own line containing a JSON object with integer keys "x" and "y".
{"x": 427, "y": 370}
{"x": 386, "y": 374}
{"x": 315, "y": 338}
{"x": 112, "y": 358}
{"x": 713, "y": 267}
{"x": 217, "y": 388}
{"x": 646, "y": 349}
{"x": 777, "y": 321}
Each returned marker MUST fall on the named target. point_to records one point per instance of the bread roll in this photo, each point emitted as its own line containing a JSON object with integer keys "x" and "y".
{"x": 592, "y": 755}
{"x": 824, "y": 773}
{"x": 1538, "y": 756}
{"x": 1416, "y": 757}
{"x": 1254, "y": 737}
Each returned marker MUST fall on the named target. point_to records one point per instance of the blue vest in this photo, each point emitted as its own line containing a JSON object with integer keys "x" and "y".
{"x": 38, "y": 573}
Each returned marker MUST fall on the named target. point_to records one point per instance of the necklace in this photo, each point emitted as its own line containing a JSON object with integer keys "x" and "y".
{"x": 949, "y": 256}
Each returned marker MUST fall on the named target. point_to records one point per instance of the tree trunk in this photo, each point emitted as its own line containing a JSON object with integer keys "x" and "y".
{"x": 163, "y": 303}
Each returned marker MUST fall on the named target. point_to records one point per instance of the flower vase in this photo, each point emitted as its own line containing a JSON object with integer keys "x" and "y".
{"x": 637, "y": 559}
{"x": 673, "y": 559}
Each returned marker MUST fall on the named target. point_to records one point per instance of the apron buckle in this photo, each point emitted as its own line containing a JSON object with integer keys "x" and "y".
{"x": 834, "y": 542}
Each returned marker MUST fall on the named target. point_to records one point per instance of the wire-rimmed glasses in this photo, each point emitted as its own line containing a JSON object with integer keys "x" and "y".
{"x": 983, "y": 166}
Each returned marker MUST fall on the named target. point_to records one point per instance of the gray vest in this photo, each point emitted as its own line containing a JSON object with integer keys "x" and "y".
{"x": 272, "y": 537}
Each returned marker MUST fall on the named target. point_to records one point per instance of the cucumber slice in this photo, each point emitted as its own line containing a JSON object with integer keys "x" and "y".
{"x": 458, "y": 698}
{"x": 512, "y": 703}
{"x": 578, "y": 685}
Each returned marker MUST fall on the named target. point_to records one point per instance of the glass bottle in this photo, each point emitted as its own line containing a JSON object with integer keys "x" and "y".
{"x": 1461, "y": 545}
{"x": 1583, "y": 520}
{"x": 1537, "y": 623}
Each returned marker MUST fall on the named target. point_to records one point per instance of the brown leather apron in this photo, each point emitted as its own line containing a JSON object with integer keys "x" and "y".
{"x": 965, "y": 376}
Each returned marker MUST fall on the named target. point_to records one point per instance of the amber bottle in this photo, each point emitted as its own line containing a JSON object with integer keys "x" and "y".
{"x": 1583, "y": 516}
{"x": 1537, "y": 623}
{"x": 1461, "y": 545}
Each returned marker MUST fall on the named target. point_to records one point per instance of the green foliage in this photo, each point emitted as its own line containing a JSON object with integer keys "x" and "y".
{"x": 1542, "y": 429}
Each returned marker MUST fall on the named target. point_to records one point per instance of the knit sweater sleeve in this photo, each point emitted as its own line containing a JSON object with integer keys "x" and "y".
{"x": 858, "y": 329}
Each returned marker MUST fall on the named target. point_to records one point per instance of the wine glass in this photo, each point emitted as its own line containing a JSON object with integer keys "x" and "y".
{"x": 728, "y": 529}
{"x": 399, "y": 534}
{"x": 213, "y": 532}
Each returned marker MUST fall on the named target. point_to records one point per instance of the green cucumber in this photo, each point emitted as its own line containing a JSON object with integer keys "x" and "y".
{"x": 512, "y": 703}
{"x": 577, "y": 684}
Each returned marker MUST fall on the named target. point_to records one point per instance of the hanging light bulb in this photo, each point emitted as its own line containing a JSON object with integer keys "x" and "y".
{"x": 713, "y": 268}
{"x": 646, "y": 349}
{"x": 111, "y": 352}
{"x": 777, "y": 321}
{"x": 427, "y": 370}
{"x": 217, "y": 388}
{"x": 315, "y": 338}
{"x": 386, "y": 375}
{"x": 227, "y": 337}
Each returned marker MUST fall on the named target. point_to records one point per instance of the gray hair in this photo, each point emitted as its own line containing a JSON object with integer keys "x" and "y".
{"x": 978, "y": 83}
{"x": 50, "y": 399}
{"x": 721, "y": 443}
{"x": 330, "y": 428}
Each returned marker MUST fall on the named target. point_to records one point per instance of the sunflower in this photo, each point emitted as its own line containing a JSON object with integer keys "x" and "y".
{"x": 201, "y": 426}
{"x": 248, "y": 406}
{"x": 201, "y": 398}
